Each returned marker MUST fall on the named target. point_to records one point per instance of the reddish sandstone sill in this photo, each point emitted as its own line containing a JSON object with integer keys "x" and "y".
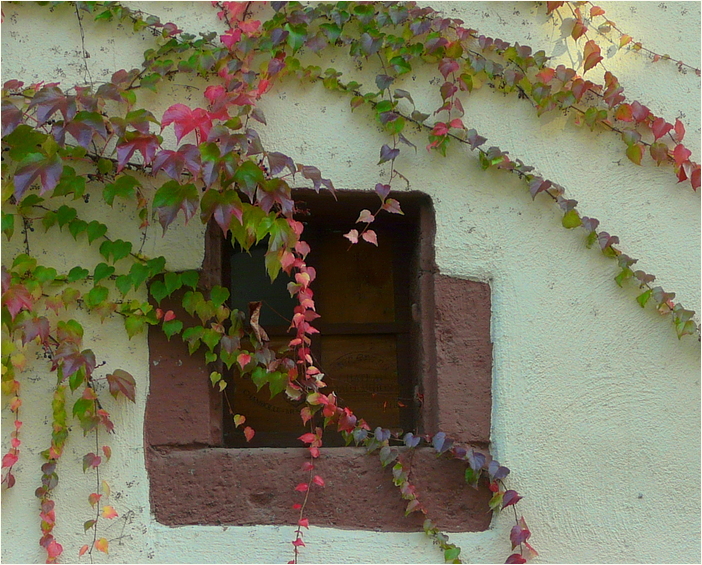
{"x": 257, "y": 486}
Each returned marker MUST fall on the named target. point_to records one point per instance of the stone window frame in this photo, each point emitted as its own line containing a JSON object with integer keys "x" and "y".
{"x": 193, "y": 480}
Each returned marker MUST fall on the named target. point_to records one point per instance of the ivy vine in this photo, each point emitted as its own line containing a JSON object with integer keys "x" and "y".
{"x": 65, "y": 144}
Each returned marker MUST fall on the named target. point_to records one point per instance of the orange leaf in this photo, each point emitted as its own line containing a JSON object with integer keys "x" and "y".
{"x": 596, "y": 11}
{"x": 579, "y": 29}
{"x": 624, "y": 114}
{"x": 249, "y": 433}
{"x": 94, "y": 498}
{"x": 109, "y": 512}
{"x": 551, "y": 6}
{"x": 101, "y": 545}
{"x": 591, "y": 55}
{"x": 83, "y": 550}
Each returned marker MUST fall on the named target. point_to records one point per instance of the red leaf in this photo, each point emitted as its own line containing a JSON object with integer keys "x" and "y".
{"x": 510, "y": 497}
{"x": 91, "y": 460}
{"x": 53, "y": 550}
{"x": 302, "y": 487}
{"x": 546, "y": 75}
{"x": 679, "y": 130}
{"x": 17, "y": 298}
{"x": 298, "y": 543}
{"x": 146, "y": 144}
{"x": 660, "y": 127}
{"x": 307, "y": 438}
{"x": 121, "y": 382}
{"x": 187, "y": 120}
{"x": 639, "y": 111}
{"x": 304, "y": 523}
{"x": 9, "y": 460}
{"x": 319, "y": 481}
{"x": 307, "y": 466}
{"x": 94, "y": 498}
{"x": 249, "y": 433}
{"x": 515, "y": 558}
{"x": 681, "y": 154}
{"x": 243, "y": 359}
{"x": 695, "y": 178}
{"x": 370, "y": 237}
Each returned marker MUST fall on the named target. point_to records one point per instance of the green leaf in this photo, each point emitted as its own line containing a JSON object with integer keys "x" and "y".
{"x": 297, "y": 35}
{"x": 8, "y": 224}
{"x": 70, "y": 183}
{"x": 635, "y": 152}
{"x": 76, "y": 379}
{"x": 96, "y": 296}
{"x": 496, "y": 501}
{"x": 82, "y": 406}
{"x": 218, "y": 295}
{"x": 138, "y": 273}
{"x": 643, "y": 298}
{"x": 259, "y": 376}
{"x": 451, "y": 554}
{"x": 134, "y": 325}
{"x": 76, "y": 274}
{"x": 190, "y": 278}
{"x": 472, "y": 476}
{"x": 65, "y": 214}
{"x": 211, "y": 338}
{"x": 23, "y": 263}
{"x": 210, "y": 357}
{"x": 623, "y": 275}
{"x": 571, "y": 219}
{"x": 123, "y": 283}
{"x": 76, "y": 227}
{"x": 172, "y": 327}
{"x": 124, "y": 187}
{"x": 172, "y": 281}
{"x": 277, "y": 382}
{"x": 248, "y": 175}
{"x": 102, "y": 271}
{"x": 105, "y": 166}
{"x": 158, "y": 290}
{"x": 45, "y": 274}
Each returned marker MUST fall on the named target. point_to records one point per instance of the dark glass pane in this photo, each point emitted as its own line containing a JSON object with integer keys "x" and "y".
{"x": 250, "y": 283}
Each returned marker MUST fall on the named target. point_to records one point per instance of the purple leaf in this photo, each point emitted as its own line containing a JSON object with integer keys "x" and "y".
{"x": 538, "y": 185}
{"x": 49, "y": 100}
{"x": 370, "y": 46}
{"x": 510, "y": 497}
{"x": 448, "y": 66}
{"x": 36, "y": 165}
{"x": 11, "y": 117}
{"x": 383, "y": 81}
{"x": 476, "y": 460}
{"x": 383, "y": 190}
{"x": 411, "y": 440}
{"x": 387, "y": 154}
{"x": 381, "y": 434}
{"x": 497, "y": 471}
{"x": 278, "y": 161}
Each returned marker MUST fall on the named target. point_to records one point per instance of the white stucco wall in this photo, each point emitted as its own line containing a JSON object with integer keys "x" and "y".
{"x": 595, "y": 401}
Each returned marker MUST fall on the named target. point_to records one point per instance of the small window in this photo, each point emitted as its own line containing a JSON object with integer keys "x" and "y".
{"x": 363, "y": 294}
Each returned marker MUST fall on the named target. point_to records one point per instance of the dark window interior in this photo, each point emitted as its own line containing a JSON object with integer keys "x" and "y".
{"x": 367, "y": 342}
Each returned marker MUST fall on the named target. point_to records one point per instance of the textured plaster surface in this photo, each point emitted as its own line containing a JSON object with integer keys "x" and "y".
{"x": 595, "y": 401}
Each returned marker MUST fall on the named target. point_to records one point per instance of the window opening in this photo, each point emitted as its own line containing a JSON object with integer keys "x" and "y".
{"x": 367, "y": 346}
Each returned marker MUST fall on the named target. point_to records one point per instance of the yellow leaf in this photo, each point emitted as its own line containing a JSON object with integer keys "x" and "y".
{"x": 109, "y": 512}
{"x": 101, "y": 545}
{"x": 106, "y": 488}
